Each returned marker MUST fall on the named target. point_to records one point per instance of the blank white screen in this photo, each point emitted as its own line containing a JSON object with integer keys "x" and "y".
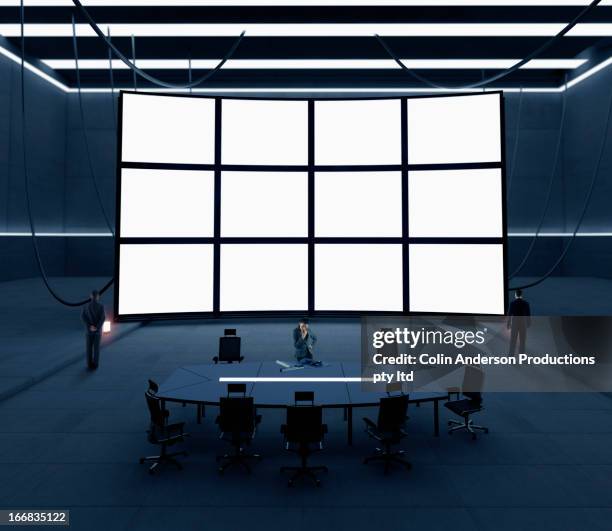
{"x": 454, "y": 129}
{"x": 266, "y": 277}
{"x": 359, "y": 204}
{"x": 358, "y": 277}
{"x": 358, "y": 132}
{"x": 165, "y": 279}
{"x": 264, "y": 132}
{"x": 457, "y": 278}
{"x": 264, "y": 204}
{"x": 166, "y": 203}
{"x": 168, "y": 129}
{"x": 455, "y": 203}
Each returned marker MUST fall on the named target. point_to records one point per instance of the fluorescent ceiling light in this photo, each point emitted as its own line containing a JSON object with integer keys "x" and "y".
{"x": 15, "y": 58}
{"x": 149, "y": 3}
{"x": 279, "y": 64}
{"x": 313, "y": 30}
{"x": 300, "y": 30}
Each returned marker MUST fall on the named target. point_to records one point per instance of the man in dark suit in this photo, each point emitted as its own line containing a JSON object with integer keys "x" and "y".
{"x": 519, "y": 319}
{"x": 93, "y": 317}
{"x": 304, "y": 341}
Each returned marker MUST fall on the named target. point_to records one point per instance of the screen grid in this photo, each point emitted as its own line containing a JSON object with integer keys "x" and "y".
{"x": 323, "y": 211}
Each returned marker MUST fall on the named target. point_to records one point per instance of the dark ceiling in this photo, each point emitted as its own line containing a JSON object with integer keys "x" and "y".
{"x": 593, "y": 48}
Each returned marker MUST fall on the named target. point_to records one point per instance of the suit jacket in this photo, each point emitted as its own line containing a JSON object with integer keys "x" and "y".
{"x": 519, "y": 308}
{"x": 93, "y": 315}
{"x": 304, "y": 347}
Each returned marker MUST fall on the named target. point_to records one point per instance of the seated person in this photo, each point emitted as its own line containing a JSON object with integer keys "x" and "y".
{"x": 304, "y": 341}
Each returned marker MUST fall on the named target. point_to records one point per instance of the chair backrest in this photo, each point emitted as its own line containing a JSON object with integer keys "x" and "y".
{"x": 473, "y": 383}
{"x": 304, "y": 396}
{"x": 229, "y": 332}
{"x": 153, "y": 387}
{"x": 395, "y": 387}
{"x": 229, "y": 348}
{"x": 236, "y": 389}
{"x": 237, "y": 414}
{"x": 392, "y": 413}
{"x": 304, "y": 424}
{"x": 155, "y": 410}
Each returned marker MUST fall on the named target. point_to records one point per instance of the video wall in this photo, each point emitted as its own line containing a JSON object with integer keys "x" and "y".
{"x": 228, "y": 205}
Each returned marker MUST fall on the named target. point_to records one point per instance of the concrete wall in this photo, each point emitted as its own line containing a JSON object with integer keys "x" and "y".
{"x": 46, "y": 149}
{"x": 64, "y": 196}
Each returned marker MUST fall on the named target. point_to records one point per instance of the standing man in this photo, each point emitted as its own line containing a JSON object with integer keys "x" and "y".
{"x": 93, "y": 317}
{"x": 304, "y": 341}
{"x": 519, "y": 319}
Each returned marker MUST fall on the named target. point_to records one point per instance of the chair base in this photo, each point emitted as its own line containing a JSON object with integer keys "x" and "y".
{"x": 163, "y": 459}
{"x": 388, "y": 458}
{"x": 238, "y": 458}
{"x": 304, "y": 472}
{"x": 468, "y": 425}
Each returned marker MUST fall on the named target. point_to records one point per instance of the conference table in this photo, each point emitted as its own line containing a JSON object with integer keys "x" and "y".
{"x": 335, "y": 385}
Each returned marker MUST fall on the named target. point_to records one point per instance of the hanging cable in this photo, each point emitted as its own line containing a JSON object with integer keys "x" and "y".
{"x": 85, "y": 136}
{"x": 556, "y": 158}
{"x": 584, "y": 208}
{"x": 112, "y": 81}
{"x": 500, "y": 75}
{"x": 134, "y": 62}
{"x": 516, "y": 142}
{"x": 39, "y": 263}
{"x": 142, "y": 73}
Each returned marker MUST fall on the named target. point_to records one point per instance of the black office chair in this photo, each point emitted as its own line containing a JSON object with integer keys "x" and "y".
{"x": 229, "y": 347}
{"x": 389, "y": 430}
{"x": 237, "y": 420}
{"x": 303, "y": 434}
{"x": 473, "y": 380}
{"x": 162, "y": 434}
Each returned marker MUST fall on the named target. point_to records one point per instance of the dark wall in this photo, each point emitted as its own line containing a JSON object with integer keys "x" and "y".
{"x": 64, "y": 195}
{"x": 46, "y": 148}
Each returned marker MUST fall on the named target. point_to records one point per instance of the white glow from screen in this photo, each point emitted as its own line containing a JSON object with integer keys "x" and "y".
{"x": 454, "y": 130}
{"x": 264, "y": 132}
{"x": 167, "y": 203}
{"x": 358, "y": 204}
{"x": 264, "y": 277}
{"x": 457, "y": 278}
{"x": 455, "y": 203}
{"x": 259, "y": 204}
{"x": 106, "y": 327}
{"x": 168, "y": 129}
{"x": 290, "y": 64}
{"x": 358, "y": 132}
{"x": 358, "y": 277}
{"x": 159, "y": 278}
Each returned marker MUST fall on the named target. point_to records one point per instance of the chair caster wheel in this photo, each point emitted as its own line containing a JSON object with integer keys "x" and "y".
{"x": 221, "y": 471}
{"x": 151, "y": 472}
{"x": 486, "y": 431}
{"x": 449, "y": 423}
{"x": 141, "y": 460}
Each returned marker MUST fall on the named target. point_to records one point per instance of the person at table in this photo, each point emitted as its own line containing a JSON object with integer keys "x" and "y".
{"x": 304, "y": 342}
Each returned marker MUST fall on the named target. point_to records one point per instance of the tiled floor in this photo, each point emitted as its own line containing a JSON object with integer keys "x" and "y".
{"x": 73, "y": 441}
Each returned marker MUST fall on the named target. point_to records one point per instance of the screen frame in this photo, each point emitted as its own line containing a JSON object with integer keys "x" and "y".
{"x": 217, "y": 167}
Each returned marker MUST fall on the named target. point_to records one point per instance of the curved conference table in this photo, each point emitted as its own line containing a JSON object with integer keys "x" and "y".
{"x": 200, "y": 385}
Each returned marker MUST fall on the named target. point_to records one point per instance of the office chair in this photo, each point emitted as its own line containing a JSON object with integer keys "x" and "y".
{"x": 389, "y": 430}
{"x": 473, "y": 379}
{"x": 303, "y": 434}
{"x": 153, "y": 387}
{"x": 237, "y": 420}
{"x": 229, "y": 347}
{"x": 162, "y": 434}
